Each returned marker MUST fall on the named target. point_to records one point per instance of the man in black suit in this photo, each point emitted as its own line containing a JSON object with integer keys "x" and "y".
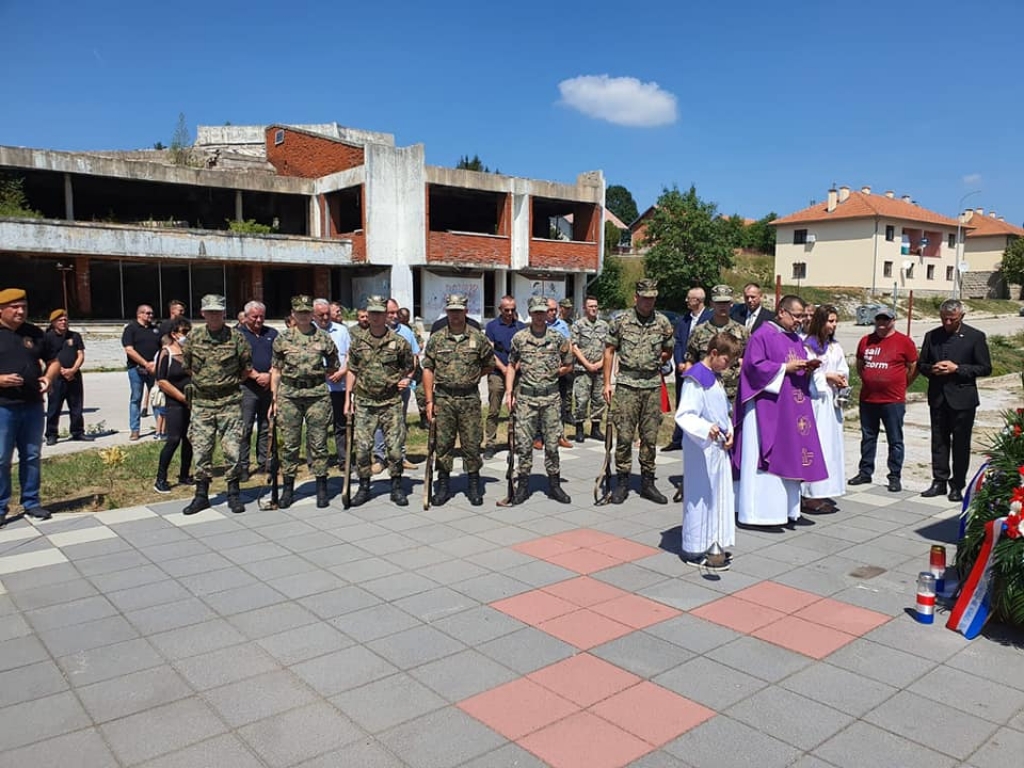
{"x": 750, "y": 314}
{"x": 952, "y": 358}
{"x": 697, "y": 313}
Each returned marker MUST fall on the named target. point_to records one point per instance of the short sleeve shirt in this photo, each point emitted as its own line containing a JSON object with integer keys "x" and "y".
{"x": 884, "y": 371}
{"x": 64, "y": 347}
{"x": 22, "y": 351}
{"x": 145, "y": 339}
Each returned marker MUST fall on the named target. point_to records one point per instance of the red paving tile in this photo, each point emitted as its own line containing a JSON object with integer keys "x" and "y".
{"x": 777, "y": 596}
{"x": 518, "y": 708}
{"x": 625, "y": 550}
{"x": 584, "y": 591}
{"x": 584, "y": 628}
{"x": 584, "y": 740}
{"x": 804, "y": 637}
{"x": 583, "y": 560}
{"x": 534, "y": 607}
{"x": 653, "y": 713}
{"x": 635, "y": 611}
{"x": 584, "y": 679}
{"x": 584, "y": 537}
{"x": 544, "y": 548}
{"x": 737, "y": 614}
{"x": 843, "y": 616}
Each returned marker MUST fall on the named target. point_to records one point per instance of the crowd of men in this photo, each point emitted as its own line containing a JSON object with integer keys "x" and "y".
{"x": 553, "y": 372}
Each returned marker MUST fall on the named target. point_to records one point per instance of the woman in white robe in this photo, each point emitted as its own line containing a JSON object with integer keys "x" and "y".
{"x": 830, "y": 377}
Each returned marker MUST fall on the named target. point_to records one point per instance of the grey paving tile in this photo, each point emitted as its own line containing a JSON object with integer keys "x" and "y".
{"x": 53, "y": 594}
{"x": 500, "y": 559}
{"x": 300, "y": 735}
{"x": 82, "y": 749}
{"x": 237, "y": 538}
{"x": 660, "y": 760}
{"x": 41, "y": 577}
{"x": 14, "y": 626}
{"x": 275, "y": 568}
{"x": 418, "y": 558}
{"x": 630, "y": 577}
{"x": 169, "y": 616}
{"x": 304, "y": 643}
{"x": 465, "y": 545}
{"x": 168, "y": 728}
{"x": 709, "y": 683}
{"x": 304, "y": 584}
{"x": 881, "y": 663}
{"x": 76, "y": 552}
{"x": 68, "y": 614}
{"x": 863, "y": 744}
{"x": 196, "y": 639}
{"x": 365, "y": 753}
{"x": 970, "y": 693}
{"x": 135, "y": 576}
{"x": 760, "y": 659}
{"x": 339, "y": 671}
{"x": 451, "y": 570}
{"x": 96, "y": 664}
{"x": 1017, "y": 721}
{"x": 175, "y": 550}
{"x": 255, "y": 698}
{"x": 203, "y": 562}
{"x": 1003, "y": 749}
{"x": 399, "y": 585}
{"x": 680, "y": 594}
{"x": 21, "y": 651}
{"x": 491, "y": 587}
{"x": 40, "y": 719}
{"x": 30, "y": 682}
{"x": 225, "y": 665}
{"x": 242, "y": 599}
{"x": 147, "y": 595}
{"x": 338, "y": 602}
{"x": 527, "y": 650}
{"x": 931, "y": 642}
{"x": 692, "y": 633}
{"x": 435, "y": 604}
{"x": 477, "y": 625}
{"x": 806, "y": 724}
{"x": 722, "y": 741}
{"x": 254, "y": 552}
{"x": 810, "y": 761}
{"x": 540, "y": 574}
{"x": 441, "y": 738}
{"x": 642, "y": 654}
{"x": 387, "y": 544}
{"x": 991, "y": 660}
{"x": 155, "y": 537}
{"x": 211, "y": 582}
{"x": 131, "y": 693}
{"x": 92, "y": 634}
{"x": 226, "y": 751}
{"x": 388, "y": 702}
{"x": 514, "y": 756}
{"x": 271, "y": 620}
{"x": 848, "y": 692}
{"x": 7, "y": 606}
{"x": 374, "y": 622}
{"x": 415, "y": 646}
{"x": 367, "y": 569}
{"x": 927, "y": 721}
{"x": 286, "y": 529}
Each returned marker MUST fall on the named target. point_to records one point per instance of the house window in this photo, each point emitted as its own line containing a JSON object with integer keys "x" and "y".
{"x": 799, "y": 237}
{"x": 910, "y": 272}
{"x": 949, "y": 274}
{"x": 278, "y": 137}
{"x": 931, "y": 272}
{"x": 890, "y": 232}
{"x": 952, "y": 241}
{"x": 799, "y": 270}
{"x": 887, "y": 269}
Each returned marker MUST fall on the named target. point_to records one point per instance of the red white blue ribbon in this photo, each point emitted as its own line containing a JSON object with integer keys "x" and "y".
{"x": 972, "y": 488}
{"x": 972, "y": 608}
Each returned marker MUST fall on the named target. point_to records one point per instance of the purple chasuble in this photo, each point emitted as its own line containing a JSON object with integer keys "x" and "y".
{"x": 789, "y": 446}
{"x": 702, "y": 375}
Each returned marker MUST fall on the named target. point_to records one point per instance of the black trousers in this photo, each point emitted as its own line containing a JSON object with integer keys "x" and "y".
{"x": 677, "y": 433}
{"x": 338, "y": 409}
{"x": 951, "y": 435}
{"x": 176, "y": 418}
{"x": 255, "y": 408}
{"x": 73, "y": 393}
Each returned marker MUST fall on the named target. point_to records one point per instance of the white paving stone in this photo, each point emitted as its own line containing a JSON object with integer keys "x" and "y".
{"x": 206, "y": 516}
{"x": 126, "y": 515}
{"x": 81, "y": 536}
{"x": 29, "y": 560}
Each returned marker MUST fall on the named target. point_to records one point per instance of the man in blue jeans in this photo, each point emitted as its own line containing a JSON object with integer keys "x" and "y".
{"x": 141, "y": 342}
{"x": 25, "y": 376}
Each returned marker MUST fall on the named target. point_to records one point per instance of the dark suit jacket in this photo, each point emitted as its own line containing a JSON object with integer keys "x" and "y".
{"x": 683, "y": 329}
{"x": 969, "y": 350}
{"x": 739, "y": 314}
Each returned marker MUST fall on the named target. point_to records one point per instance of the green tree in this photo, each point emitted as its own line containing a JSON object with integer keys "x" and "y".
{"x": 476, "y": 164}
{"x": 687, "y": 247}
{"x": 13, "y": 200}
{"x": 159, "y": 145}
{"x": 1013, "y": 262}
{"x": 181, "y": 143}
{"x": 619, "y": 201}
{"x": 607, "y": 286}
{"x": 733, "y": 229}
{"x": 760, "y": 236}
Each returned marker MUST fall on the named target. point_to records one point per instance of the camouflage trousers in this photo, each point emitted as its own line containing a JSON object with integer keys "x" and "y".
{"x": 495, "y": 397}
{"x": 565, "y": 388}
{"x": 636, "y": 409}
{"x": 389, "y": 420}
{"x": 458, "y": 416}
{"x": 207, "y": 423}
{"x": 588, "y": 389}
{"x": 538, "y": 416}
{"x": 316, "y": 412}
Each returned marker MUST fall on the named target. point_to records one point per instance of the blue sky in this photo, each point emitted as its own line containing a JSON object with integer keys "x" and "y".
{"x": 760, "y": 105}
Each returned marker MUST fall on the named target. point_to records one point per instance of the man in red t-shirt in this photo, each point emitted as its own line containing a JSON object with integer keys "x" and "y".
{"x": 887, "y": 364}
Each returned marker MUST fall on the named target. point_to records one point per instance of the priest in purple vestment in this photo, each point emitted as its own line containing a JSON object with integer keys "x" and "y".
{"x": 777, "y": 445}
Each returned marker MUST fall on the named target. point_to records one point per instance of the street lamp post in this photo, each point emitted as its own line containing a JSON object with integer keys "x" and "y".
{"x": 64, "y": 269}
{"x": 957, "y": 279}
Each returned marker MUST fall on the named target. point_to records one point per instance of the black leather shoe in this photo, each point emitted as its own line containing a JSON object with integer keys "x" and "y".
{"x": 39, "y": 513}
{"x": 51, "y": 441}
{"x": 672, "y": 446}
{"x": 859, "y": 479}
{"x": 81, "y": 438}
{"x": 800, "y": 522}
{"x": 955, "y": 495}
{"x": 894, "y": 485}
{"x": 937, "y": 488}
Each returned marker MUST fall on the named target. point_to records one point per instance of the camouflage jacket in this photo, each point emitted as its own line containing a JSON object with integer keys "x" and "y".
{"x": 539, "y": 357}
{"x": 458, "y": 361}
{"x": 378, "y": 364}
{"x": 304, "y": 360}
{"x": 641, "y": 345}
{"x": 589, "y": 338}
{"x": 218, "y": 364}
{"x": 697, "y": 347}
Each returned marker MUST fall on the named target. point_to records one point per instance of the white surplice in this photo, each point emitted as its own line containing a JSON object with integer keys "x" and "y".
{"x": 709, "y": 504}
{"x": 829, "y": 421}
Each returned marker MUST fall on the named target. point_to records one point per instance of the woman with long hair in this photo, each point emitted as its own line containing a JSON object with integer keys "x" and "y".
{"x": 831, "y": 380}
{"x": 173, "y": 381}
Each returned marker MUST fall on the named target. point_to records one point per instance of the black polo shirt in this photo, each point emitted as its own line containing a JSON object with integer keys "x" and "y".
{"x": 64, "y": 346}
{"x": 144, "y": 338}
{"x": 21, "y": 352}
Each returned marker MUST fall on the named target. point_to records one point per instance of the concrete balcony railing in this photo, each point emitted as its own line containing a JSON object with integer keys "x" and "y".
{"x": 57, "y": 237}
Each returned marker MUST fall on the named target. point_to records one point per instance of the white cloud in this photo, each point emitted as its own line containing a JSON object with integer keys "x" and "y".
{"x": 619, "y": 100}
{"x": 972, "y": 178}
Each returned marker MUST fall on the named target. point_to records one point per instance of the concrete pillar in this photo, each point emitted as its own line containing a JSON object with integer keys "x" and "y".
{"x": 321, "y": 282}
{"x": 579, "y": 291}
{"x": 401, "y": 284}
{"x": 238, "y": 205}
{"x": 83, "y": 290}
{"x": 69, "y": 199}
{"x": 254, "y": 282}
{"x": 500, "y": 287}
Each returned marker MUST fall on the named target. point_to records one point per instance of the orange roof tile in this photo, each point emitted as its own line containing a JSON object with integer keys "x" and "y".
{"x": 861, "y": 206}
{"x": 986, "y": 226}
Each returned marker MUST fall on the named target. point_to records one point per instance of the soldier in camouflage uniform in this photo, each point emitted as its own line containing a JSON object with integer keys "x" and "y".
{"x": 377, "y": 361}
{"x": 643, "y": 339}
{"x": 218, "y": 359}
{"x": 540, "y": 355}
{"x": 719, "y": 322}
{"x": 588, "y": 337}
{"x": 455, "y": 359}
{"x": 566, "y": 383}
{"x": 303, "y": 356}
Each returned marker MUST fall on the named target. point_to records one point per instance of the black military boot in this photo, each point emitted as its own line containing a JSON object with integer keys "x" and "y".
{"x": 201, "y": 500}
{"x": 649, "y": 491}
{"x": 595, "y": 431}
{"x": 522, "y": 490}
{"x": 363, "y": 494}
{"x": 621, "y": 488}
{"x": 579, "y": 432}
{"x": 234, "y": 500}
{"x": 321, "y": 493}
{"x": 473, "y": 492}
{"x": 441, "y": 492}
{"x": 397, "y": 494}
{"x": 288, "y": 494}
{"x": 555, "y": 490}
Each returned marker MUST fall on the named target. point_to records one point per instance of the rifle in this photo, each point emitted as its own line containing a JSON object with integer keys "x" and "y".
{"x": 428, "y": 469}
{"x": 603, "y": 483}
{"x": 346, "y": 496}
{"x": 272, "y": 468}
{"x": 510, "y": 473}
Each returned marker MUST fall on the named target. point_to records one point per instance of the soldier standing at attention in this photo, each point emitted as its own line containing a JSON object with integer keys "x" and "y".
{"x": 378, "y": 361}
{"x": 455, "y": 359}
{"x": 540, "y": 354}
{"x": 719, "y": 322}
{"x": 588, "y": 337}
{"x": 303, "y": 356}
{"x": 218, "y": 359}
{"x": 643, "y": 339}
